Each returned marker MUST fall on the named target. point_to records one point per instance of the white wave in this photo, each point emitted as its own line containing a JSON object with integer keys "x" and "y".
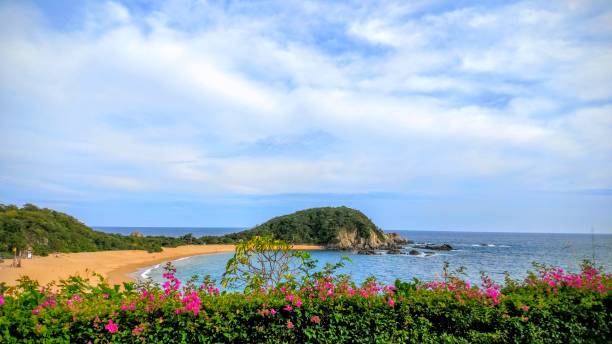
{"x": 145, "y": 273}
{"x": 178, "y": 260}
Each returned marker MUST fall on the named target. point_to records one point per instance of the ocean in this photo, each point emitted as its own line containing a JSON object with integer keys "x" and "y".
{"x": 492, "y": 253}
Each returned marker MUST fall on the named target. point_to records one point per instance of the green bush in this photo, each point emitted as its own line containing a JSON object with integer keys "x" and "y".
{"x": 551, "y": 307}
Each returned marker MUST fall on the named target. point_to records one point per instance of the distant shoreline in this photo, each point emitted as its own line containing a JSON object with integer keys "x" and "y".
{"x": 116, "y": 266}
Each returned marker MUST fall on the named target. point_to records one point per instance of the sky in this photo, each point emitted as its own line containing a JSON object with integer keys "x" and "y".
{"x": 425, "y": 115}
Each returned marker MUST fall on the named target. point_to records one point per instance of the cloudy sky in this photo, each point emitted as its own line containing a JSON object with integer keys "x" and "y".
{"x": 424, "y": 115}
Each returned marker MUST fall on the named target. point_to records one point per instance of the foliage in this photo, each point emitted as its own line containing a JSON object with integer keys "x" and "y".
{"x": 321, "y": 309}
{"x": 320, "y": 226}
{"x": 263, "y": 262}
{"x": 48, "y": 231}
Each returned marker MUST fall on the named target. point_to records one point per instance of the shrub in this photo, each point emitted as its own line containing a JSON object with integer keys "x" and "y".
{"x": 323, "y": 308}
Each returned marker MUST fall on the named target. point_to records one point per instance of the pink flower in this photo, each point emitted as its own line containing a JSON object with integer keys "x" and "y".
{"x": 36, "y": 311}
{"x": 290, "y": 324}
{"x": 525, "y": 308}
{"x": 137, "y": 330}
{"x": 288, "y": 308}
{"x": 273, "y": 311}
{"x": 1, "y": 299}
{"x": 391, "y": 302}
{"x": 111, "y": 326}
{"x": 315, "y": 319}
{"x": 298, "y": 303}
{"x": 105, "y": 296}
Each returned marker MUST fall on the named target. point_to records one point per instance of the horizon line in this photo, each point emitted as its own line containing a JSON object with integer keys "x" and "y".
{"x": 385, "y": 230}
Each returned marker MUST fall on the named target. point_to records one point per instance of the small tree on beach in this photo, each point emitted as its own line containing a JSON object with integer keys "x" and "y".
{"x": 263, "y": 262}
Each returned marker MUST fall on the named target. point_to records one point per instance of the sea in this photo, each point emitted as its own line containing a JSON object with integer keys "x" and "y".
{"x": 493, "y": 253}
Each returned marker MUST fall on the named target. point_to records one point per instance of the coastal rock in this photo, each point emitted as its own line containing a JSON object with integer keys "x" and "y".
{"x": 442, "y": 247}
{"x": 394, "y": 250}
{"x": 367, "y": 252}
{"x": 352, "y": 240}
{"x": 396, "y": 239}
{"x": 414, "y": 253}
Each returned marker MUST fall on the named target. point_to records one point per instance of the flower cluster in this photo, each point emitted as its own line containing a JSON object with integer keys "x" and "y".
{"x": 589, "y": 278}
{"x": 192, "y": 302}
{"x": 489, "y": 291}
{"x": 50, "y": 302}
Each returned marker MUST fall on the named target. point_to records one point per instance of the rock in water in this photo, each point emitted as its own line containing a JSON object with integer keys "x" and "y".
{"x": 443, "y": 247}
{"x": 367, "y": 252}
{"x": 394, "y": 250}
{"x": 414, "y": 253}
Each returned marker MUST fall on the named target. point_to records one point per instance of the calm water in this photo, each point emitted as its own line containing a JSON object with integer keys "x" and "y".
{"x": 493, "y": 253}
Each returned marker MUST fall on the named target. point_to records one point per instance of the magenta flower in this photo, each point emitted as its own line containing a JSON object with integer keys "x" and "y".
{"x": 298, "y": 303}
{"x": 111, "y": 326}
{"x": 525, "y": 308}
{"x": 288, "y": 308}
{"x": 1, "y": 299}
{"x": 391, "y": 302}
{"x": 137, "y": 330}
{"x": 273, "y": 311}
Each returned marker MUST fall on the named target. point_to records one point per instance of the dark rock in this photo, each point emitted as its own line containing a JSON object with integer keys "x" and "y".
{"x": 443, "y": 247}
{"x": 414, "y": 253}
{"x": 394, "y": 251}
{"x": 367, "y": 252}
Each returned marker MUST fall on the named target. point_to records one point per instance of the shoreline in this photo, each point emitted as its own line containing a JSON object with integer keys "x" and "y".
{"x": 116, "y": 266}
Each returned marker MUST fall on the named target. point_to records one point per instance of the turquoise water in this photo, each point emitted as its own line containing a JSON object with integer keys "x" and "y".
{"x": 493, "y": 253}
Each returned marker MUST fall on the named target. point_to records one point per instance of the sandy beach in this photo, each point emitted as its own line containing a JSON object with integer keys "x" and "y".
{"x": 116, "y": 266}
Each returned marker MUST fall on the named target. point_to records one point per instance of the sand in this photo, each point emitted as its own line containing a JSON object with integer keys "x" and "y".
{"x": 116, "y": 266}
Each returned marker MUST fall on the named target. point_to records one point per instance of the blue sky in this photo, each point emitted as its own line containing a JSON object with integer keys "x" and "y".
{"x": 484, "y": 116}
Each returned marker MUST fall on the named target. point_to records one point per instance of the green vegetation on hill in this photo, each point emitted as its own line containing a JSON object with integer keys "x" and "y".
{"x": 48, "y": 231}
{"x": 319, "y": 226}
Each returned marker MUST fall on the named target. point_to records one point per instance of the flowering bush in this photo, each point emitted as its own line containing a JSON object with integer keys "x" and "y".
{"x": 550, "y": 306}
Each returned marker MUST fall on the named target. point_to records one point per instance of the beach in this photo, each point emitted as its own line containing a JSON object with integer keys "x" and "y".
{"x": 116, "y": 266}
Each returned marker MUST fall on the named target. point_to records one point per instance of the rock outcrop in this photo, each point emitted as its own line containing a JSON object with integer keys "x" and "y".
{"x": 394, "y": 238}
{"x": 136, "y": 234}
{"x": 442, "y": 247}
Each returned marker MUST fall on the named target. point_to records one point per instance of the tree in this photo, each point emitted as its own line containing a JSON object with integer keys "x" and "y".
{"x": 263, "y": 262}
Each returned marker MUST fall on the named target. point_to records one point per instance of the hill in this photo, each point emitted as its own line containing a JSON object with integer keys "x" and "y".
{"x": 333, "y": 227}
{"x": 48, "y": 231}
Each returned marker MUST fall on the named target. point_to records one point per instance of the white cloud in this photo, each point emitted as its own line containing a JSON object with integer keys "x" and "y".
{"x": 137, "y": 102}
